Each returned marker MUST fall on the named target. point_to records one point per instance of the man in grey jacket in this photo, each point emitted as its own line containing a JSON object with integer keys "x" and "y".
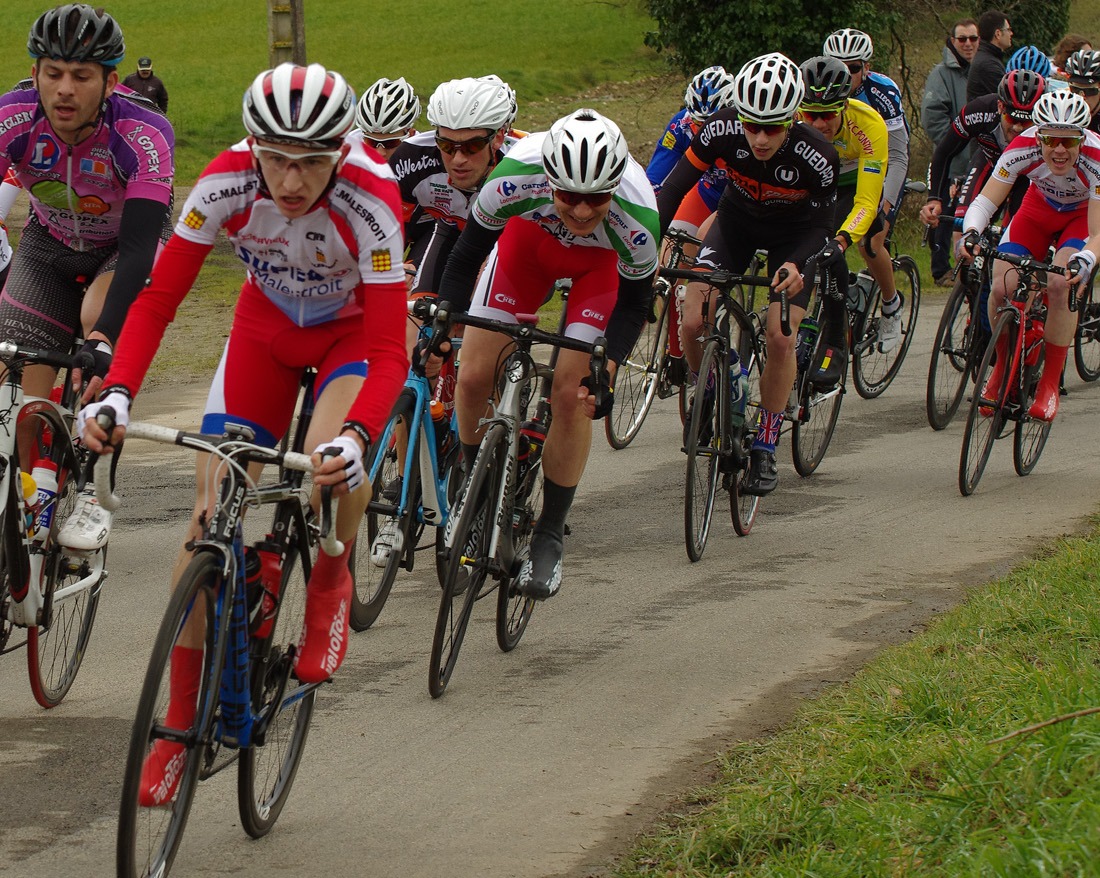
{"x": 944, "y": 97}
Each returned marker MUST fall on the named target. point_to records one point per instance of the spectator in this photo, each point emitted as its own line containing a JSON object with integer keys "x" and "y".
{"x": 1069, "y": 44}
{"x": 944, "y": 97}
{"x": 148, "y": 85}
{"x": 988, "y": 65}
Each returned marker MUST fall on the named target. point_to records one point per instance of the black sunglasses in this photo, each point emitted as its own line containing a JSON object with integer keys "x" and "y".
{"x": 967, "y": 39}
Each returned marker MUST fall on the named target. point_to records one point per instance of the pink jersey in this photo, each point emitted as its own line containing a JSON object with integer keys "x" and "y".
{"x": 1023, "y": 157}
{"x": 77, "y": 192}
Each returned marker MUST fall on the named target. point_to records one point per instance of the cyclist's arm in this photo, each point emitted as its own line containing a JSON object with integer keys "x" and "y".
{"x": 434, "y": 260}
{"x": 138, "y": 236}
{"x": 631, "y": 308}
{"x": 677, "y": 184}
{"x": 474, "y": 244}
{"x": 870, "y": 176}
{"x": 985, "y": 204}
{"x": 898, "y": 165}
{"x": 384, "y": 315}
{"x": 939, "y": 172}
{"x": 9, "y": 191}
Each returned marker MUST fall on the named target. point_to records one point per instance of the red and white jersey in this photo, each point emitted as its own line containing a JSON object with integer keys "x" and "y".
{"x": 1023, "y": 157}
{"x": 310, "y": 267}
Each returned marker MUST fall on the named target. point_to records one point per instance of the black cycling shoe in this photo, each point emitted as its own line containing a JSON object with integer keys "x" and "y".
{"x": 540, "y": 576}
{"x": 829, "y": 367}
{"x": 763, "y": 474}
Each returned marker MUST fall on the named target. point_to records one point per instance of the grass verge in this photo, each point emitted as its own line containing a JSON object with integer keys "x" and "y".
{"x": 909, "y": 770}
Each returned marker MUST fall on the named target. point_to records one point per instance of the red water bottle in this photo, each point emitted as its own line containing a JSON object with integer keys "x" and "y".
{"x": 271, "y": 577}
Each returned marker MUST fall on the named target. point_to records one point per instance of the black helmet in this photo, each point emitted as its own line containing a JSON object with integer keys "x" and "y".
{"x": 1019, "y": 90}
{"x": 1083, "y": 67}
{"x": 77, "y": 32}
{"x": 827, "y": 81}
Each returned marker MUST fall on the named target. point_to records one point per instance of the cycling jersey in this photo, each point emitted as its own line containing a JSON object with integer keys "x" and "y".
{"x": 518, "y": 189}
{"x": 673, "y": 144}
{"x": 795, "y": 188}
{"x": 339, "y": 263}
{"x": 861, "y": 144}
{"x": 884, "y": 97}
{"x": 978, "y": 121}
{"x": 1023, "y": 157}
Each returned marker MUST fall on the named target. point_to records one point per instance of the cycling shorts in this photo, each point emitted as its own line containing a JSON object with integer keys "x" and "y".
{"x": 1037, "y": 225}
{"x": 735, "y": 237}
{"x": 525, "y": 263}
{"x": 692, "y": 213}
{"x": 261, "y": 369}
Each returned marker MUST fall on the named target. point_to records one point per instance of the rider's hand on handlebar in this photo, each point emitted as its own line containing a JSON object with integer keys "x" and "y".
{"x": 99, "y": 349}
{"x": 94, "y": 436}
{"x": 970, "y": 244}
{"x": 791, "y": 283}
{"x": 930, "y": 213}
{"x": 1080, "y": 267}
{"x": 344, "y": 472}
{"x": 588, "y": 398}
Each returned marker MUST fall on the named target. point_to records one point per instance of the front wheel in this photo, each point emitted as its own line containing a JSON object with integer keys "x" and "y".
{"x": 872, "y": 369}
{"x": 637, "y": 378}
{"x": 513, "y": 608}
{"x": 703, "y": 445}
{"x": 1030, "y": 434}
{"x": 987, "y": 414}
{"x": 171, "y": 737}
{"x": 953, "y": 355}
{"x": 743, "y": 507}
{"x": 283, "y": 706}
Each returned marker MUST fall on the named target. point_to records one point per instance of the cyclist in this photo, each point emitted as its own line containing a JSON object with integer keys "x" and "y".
{"x": 854, "y": 49}
{"x": 860, "y": 138}
{"x": 569, "y": 202}
{"x": 386, "y": 115}
{"x": 1061, "y": 208}
{"x": 780, "y": 196}
{"x": 317, "y": 221}
{"x": 1083, "y": 73}
{"x": 97, "y": 166}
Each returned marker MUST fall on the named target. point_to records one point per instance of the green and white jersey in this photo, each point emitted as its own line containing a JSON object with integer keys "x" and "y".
{"x": 518, "y": 187}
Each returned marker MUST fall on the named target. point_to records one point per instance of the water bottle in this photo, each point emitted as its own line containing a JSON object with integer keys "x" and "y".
{"x": 439, "y": 420}
{"x": 30, "y": 501}
{"x": 739, "y": 391}
{"x": 45, "y": 477}
{"x": 1033, "y": 335}
{"x": 804, "y": 345}
{"x": 271, "y": 577}
{"x": 532, "y": 436}
{"x": 254, "y": 588}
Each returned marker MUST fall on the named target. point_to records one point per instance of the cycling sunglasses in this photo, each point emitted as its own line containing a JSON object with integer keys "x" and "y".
{"x": 467, "y": 147}
{"x": 824, "y": 115}
{"x": 756, "y": 127}
{"x": 1055, "y": 140}
{"x": 388, "y": 143}
{"x": 592, "y": 199}
{"x": 854, "y": 67}
{"x": 967, "y": 39}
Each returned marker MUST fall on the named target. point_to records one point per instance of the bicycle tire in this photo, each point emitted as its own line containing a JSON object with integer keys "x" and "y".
{"x": 455, "y": 468}
{"x": 1086, "y": 340}
{"x": 149, "y": 837}
{"x": 814, "y": 421}
{"x": 267, "y": 768}
{"x": 953, "y": 353}
{"x": 703, "y": 450}
{"x": 513, "y": 608}
{"x": 1030, "y": 434}
{"x": 743, "y": 507}
{"x": 983, "y": 430}
{"x": 637, "y": 378}
{"x": 469, "y": 542}
{"x": 872, "y": 370}
{"x": 55, "y": 650}
{"x": 373, "y": 584}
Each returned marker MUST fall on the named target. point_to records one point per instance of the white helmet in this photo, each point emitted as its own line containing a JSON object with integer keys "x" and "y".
{"x": 585, "y": 152}
{"x": 849, "y": 44}
{"x": 769, "y": 89}
{"x": 310, "y": 105}
{"x": 710, "y": 90}
{"x": 470, "y": 103}
{"x": 1061, "y": 109}
{"x": 492, "y": 77}
{"x": 389, "y": 106}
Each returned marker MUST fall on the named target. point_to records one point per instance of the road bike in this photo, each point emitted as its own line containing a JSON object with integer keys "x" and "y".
{"x": 50, "y": 592}
{"x": 488, "y": 536}
{"x": 416, "y": 473}
{"x": 249, "y": 708}
{"x": 655, "y": 368}
{"x": 1020, "y": 320}
{"x": 719, "y": 434}
{"x": 960, "y": 338}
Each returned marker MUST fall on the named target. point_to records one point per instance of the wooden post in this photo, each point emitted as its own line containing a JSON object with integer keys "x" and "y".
{"x": 286, "y": 31}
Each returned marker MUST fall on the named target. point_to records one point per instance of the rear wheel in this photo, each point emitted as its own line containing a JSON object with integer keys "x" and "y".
{"x": 513, "y": 608}
{"x": 815, "y": 419}
{"x": 703, "y": 444}
{"x": 637, "y": 378}
{"x": 986, "y": 416}
{"x": 953, "y": 353}
{"x": 71, "y": 583}
{"x": 743, "y": 507}
{"x": 873, "y": 370}
{"x": 152, "y": 820}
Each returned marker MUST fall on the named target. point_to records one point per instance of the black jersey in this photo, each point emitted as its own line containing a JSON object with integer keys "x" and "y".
{"x": 978, "y": 121}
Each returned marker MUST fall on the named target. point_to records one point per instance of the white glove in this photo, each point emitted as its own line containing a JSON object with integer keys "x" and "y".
{"x": 120, "y": 402}
{"x": 1082, "y": 264}
{"x": 352, "y": 453}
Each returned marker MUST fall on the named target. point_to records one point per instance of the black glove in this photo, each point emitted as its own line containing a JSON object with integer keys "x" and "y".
{"x": 833, "y": 269}
{"x": 441, "y": 329}
{"x": 971, "y": 241}
{"x": 607, "y": 398}
{"x": 100, "y": 352}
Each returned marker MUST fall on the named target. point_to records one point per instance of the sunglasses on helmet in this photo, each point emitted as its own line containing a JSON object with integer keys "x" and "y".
{"x": 592, "y": 199}
{"x": 467, "y": 147}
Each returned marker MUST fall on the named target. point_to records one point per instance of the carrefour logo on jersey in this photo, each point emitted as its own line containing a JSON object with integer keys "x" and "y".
{"x": 45, "y": 154}
{"x": 506, "y": 188}
{"x": 639, "y": 239}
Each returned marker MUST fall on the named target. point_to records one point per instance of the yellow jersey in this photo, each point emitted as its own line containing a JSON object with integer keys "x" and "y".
{"x": 861, "y": 143}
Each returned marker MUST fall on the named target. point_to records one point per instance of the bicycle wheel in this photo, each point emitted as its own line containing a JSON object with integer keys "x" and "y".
{"x": 71, "y": 583}
{"x": 148, "y": 837}
{"x": 815, "y": 419}
{"x": 872, "y": 370}
{"x": 983, "y": 429}
{"x": 953, "y": 353}
{"x": 1030, "y": 434}
{"x": 637, "y": 378}
{"x": 703, "y": 444}
{"x": 514, "y": 609}
{"x": 1086, "y": 342}
{"x": 283, "y": 706}
{"x": 455, "y": 468}
{"x": 743, "y": 507}
{"x": 373, "y": 584}
{"x": 467, "y": 558}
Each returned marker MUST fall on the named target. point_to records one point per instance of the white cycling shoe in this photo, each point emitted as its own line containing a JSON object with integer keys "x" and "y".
{"x": 388, "y": 540}
{"x": 89, "y": 526}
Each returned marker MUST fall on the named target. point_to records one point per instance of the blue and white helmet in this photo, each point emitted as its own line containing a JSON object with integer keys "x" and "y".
{"x": 1030, "y": 58}
{"x": 710, "y": 90}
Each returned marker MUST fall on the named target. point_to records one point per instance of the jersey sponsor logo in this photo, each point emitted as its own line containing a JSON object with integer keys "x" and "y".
{"x": 1003, "y": 173}
{"x": 506, "y": 188}
{"x": 815, "y": 160}
{"x": 230, "y": 192}
{"x": 872, "y": 167}
{"x": 14, "y": 121}
{"x": 742, "y": 153}
{"x": 380, "y": 260}
{"x": 718, "y": 128}
{"x": 315, "y": 236}
{"x": 361, "y": 211}
{"x": 786, "y": 174}
{"x": 195, "y": 219}
{"x": 504, "y": 299}
{"x": 763, "y": 191}
{"x": 669, "y": 140}
{"x": 407, "y": 166}
{"x": 639, "y": 238}
{"x": 593, "y": 314}
{"x": 151, "y": 153}
{"x": 45, "y": 153}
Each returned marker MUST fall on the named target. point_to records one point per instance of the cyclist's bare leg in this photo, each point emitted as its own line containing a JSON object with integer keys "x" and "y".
{"x": 779, "y": 370}
{"x": 692, "y": 324}
{"x": 570, "y": 436}
{"x": 880, "y": 266}
{"x": 481, "y": 353}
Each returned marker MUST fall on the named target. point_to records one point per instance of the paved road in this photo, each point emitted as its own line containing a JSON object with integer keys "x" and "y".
{"x": 546, "y": 761}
